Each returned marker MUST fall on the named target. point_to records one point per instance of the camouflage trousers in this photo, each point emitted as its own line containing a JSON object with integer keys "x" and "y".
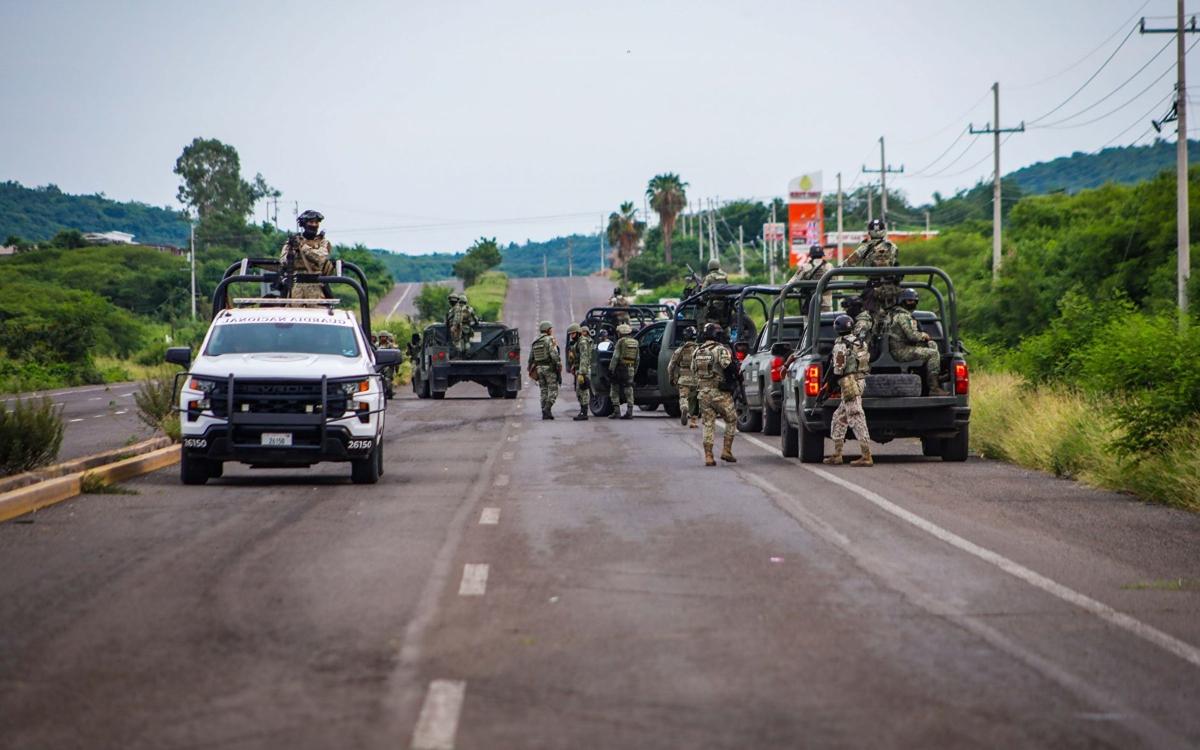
{"x": 620, "y": 385}
{"x": 713, "y": 403}
{"x": 460, "y": 339}
{"x": 927, "y": 354}
{"x": 547, "y": 380}
{"x": 307, "y": 291}
{"x": 849, "y": 414}
{"x": 583, "y": 391}
{"x": 687, "y": 399}
{"x": 879, "y": 299}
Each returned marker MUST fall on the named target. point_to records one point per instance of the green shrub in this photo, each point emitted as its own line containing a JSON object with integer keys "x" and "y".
{"x": 433, "y": 302}
{"x": 157, "y": 400}
{"x": 30, "y": 435}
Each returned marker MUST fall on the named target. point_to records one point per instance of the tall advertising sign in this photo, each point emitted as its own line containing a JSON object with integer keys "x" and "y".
{"x": 806, "y": 216}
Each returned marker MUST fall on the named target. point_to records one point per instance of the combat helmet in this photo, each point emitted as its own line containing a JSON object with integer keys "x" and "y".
{"x": 545, "y": 326}
{"x": 843, "y": 324}
{"x": 908, "y": 298}
{"x": 573, "y": 328}
{"x": 309, "y": 222}
{"x": 877, "y": 229}
{"x": 713, "y": 331}
{"x": 816, "y": 251}
{"x": 714, "y": 265}
{"x": 689, "y": 333}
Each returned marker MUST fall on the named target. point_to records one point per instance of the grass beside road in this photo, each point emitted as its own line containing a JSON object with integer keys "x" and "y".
{"x": 1060, "y": 431}
{"x": 487, "y": 295}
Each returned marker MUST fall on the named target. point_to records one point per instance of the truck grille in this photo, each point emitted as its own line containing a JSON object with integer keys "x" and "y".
{"x": 277, "y": 397}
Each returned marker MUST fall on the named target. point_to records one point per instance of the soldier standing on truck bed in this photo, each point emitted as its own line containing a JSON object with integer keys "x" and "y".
{"x": 579, "y": 362}
{"x": 877, "y": 252}
{"x": 460, "y": 319}
{"x": 813, "y": 269}
{"x": 618, "y": 299}
{"x": 621, "y": 370}
{"x": 908, "y": 343}
{"x": 850, "y": 362}
{"x": 679, "y": 370}
{"x": 545, "y": 367}
{"x": 714, "y": 276}
{"x": 710, "y": 364}
{"x": 307, "y": 252}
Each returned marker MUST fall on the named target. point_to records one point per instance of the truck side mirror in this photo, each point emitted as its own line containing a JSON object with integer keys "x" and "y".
{"x": 781, "y": 349}
{"x": 388, "y": 358}
{"x": 180, "y": 355}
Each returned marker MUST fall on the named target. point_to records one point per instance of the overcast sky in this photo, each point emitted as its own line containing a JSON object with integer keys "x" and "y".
{"x": 419, "y": 126}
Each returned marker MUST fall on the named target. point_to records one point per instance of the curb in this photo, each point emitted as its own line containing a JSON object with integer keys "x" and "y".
{"x": 24, "y": 500}
{"x": 81, "y": 464}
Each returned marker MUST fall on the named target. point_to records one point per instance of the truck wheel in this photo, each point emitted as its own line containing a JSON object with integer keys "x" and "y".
{"x": 931, "y": 446}
{"x": 647, "y": 407}
{"x": 495, "y": 391}
{"x": 789, "y": 441}
{"x": 511, "y": 394}
{"x": 770, "y": 419}
{"x": 812, "y": 446}
{"x": 600, "y": 405}
{"x": 422, "y": 388}
{"x": 749, "y": 420}
{"x": 436, "y": 395}
{"x": 366, "y": 470}
{"x": 192, "y": 470}
{"x": 955, "y": 448}
{"x": 672, "y": 409}
{"x": 216, "y": 469}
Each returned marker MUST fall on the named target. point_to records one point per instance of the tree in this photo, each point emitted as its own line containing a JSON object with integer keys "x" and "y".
{"x": 212, "y": 181}
{"x": 624, "y": 231}
{"x": 69, "y": 238}
{"x": 668, "y": 196}
{"x": 433, "y": 302}
{"x": 481, "y": 256}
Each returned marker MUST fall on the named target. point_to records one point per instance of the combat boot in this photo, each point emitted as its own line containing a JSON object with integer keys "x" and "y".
{"x": 683, "y": 418}
{"x": 937, "y": 390}
{"x": 708, "y": 456}
{"x": 836, "y": 458}
{"x": 727, "y": 454}
{"x": 546, "y": 413}
{"x": 692, "y": 423}
{"x": 628, "y": 412}
{"x": 616, "y": 411}
{"x": 865, "y": 459}
{"x": 582, "y": 415}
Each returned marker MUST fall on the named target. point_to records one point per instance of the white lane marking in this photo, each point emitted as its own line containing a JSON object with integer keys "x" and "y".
{"x": 1149, "y": 633}
{"x": 75, "y": 420}
{"x": 122, "y": 411}
{"x": 512, "y": 438}
{"x": 127, "y": 395}
{"x": 474, "y": 580}
{"x": 99, "y": 416}
{"x": 96, "y": 398}
{"x": 437, "y": 723}
{"x": 507, "y": 455}
{"x": 502, "y": 480}
{"x": 402, "y": 296}
{"x": 489, "y": 517}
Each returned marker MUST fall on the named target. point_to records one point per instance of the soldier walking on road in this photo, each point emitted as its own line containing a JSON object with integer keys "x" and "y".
{"x": 307, "y": 252}
{"x": 711, "y": 364}
{"x": 908, "y": 343}
{"x": 621, "y": 370}
{"x": 850, "y": 362}
{"x": 579, "y": 363}
{"x": 714, "y": 276}
{"x": 679, "y": 370}
{"x": 545, "y": 367}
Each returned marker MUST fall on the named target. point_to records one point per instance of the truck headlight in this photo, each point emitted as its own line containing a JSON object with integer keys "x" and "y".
{"x": 353, "y": 387}
{"x": 202, "y": 384}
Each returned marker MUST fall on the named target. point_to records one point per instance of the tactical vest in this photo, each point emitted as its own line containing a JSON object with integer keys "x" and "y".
{"x": 542, "y": 348}
{"x": 895, "y": 327}
{"x": 704, "y": 362}
{"x": 627, "y": 351}
{"x": 685, "y": 358}
{"x": 858, "y": 357}
{"x": 880, "y": 254}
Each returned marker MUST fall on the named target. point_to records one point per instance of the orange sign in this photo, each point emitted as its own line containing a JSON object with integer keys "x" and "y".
{"x": 806, "y": 216}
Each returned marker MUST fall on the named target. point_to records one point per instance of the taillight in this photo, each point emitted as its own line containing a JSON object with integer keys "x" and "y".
{"x": 514, "y": 355}
{"x": 440, "y": 356}
{"x": 812, "y": 380}
{"x": 740, "y": 355}
{"x": 962, "y": 379}
{"x": 777, "y": 369}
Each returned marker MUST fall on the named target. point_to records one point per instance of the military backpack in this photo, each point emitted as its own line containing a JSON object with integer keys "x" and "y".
{"x": 627, "y": 351}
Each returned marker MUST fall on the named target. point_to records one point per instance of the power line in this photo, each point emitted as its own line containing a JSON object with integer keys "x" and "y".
{"x": 1139, "y": 120}
{"x": 1081, "y": 60}
{"x": 924, "y": 169}
{"x": 948, "y": 125}
{"x": 942, "y": 172}
{"x": 1104, "y": 98}
{"x": 1091, "y": 78}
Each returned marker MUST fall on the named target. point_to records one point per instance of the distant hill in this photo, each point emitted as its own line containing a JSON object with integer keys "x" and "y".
{"x": 1080, "y": 171}
{"x": 38, "y": 214}
{"x": 522, "y": 260}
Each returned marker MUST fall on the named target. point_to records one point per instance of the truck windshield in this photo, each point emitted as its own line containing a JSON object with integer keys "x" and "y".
{"x": 291, "y": 338}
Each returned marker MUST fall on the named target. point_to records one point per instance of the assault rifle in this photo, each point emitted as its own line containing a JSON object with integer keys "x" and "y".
{"x": 287, "y": 269}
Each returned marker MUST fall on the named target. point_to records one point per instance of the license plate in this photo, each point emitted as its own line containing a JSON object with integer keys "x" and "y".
{"x": 277, "y": 438}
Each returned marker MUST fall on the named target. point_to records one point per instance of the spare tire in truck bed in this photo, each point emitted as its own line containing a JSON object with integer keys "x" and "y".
{"x": 892, "y": 385}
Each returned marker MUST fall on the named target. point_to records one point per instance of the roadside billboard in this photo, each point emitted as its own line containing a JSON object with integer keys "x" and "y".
{"x": 806, "y": 215}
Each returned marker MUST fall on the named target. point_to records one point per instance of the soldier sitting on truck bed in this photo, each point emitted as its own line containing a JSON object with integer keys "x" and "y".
{"x": 907, "y": 342}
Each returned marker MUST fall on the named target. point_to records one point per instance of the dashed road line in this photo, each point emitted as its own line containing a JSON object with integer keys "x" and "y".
{"x": 507, "y": 455}
{"x": 437, "y": 723}
{"x": 80, "y": 419}
{"x": 474, "y": 580}
{"x": 489, "y": 517}
{"x": 501, "y": 480}
{"x": 1149, "y": 633}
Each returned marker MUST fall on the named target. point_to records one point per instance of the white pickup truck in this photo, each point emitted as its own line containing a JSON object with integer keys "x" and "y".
{"x": 282, "y": 383}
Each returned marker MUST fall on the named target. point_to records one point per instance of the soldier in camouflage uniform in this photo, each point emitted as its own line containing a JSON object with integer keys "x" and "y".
{"x": 714, "y": 276}
{"x": 459, "y": 321}
{"x": 579, "y": 362}
{"x": 621, "y": 369}
{"x": 850, "y": 362}
{"x": 908, "y": 343}
{"x": 813, "y": 269}
{"x": 618, "y": 299}
{"x": 710, "y": 362}
{"x": 679, "y": 370}
{"x": 864, "y": 324}
{"x": 545, "y": 367}
{"x": 877, "y": 252}
{"x": 307, "y": 252}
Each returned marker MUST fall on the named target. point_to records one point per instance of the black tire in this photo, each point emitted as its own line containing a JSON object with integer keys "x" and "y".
{"x": 389, "y": 390}
{"x": 193, "y": 470}
{"x": 216, "y": 469}
{"x": 892, "y": 385}
{"x": 671, "y": 408}
{"x": 770, "y": 419}
{"x": 600, "y": 405}
{"x": 956, "y": 448}
{"x": 931, "y": 446}
{"x": 436, "y": 395}
{"x": 647, "y": 407}
{"x": 749, "y": 419}
{"x": 422, "y": 388}
{"x": 789, "y": 441}
{"x": 510, "y": 394}
{"x": 495, "y": 391}
{"x": 812, "y": 446}
{"x": 366, "y": 470}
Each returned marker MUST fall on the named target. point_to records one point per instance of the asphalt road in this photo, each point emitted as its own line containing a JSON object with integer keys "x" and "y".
{"x": 97, "y": 417}
{"x": 401, "y": 300}
{"x": 514, "y": 583}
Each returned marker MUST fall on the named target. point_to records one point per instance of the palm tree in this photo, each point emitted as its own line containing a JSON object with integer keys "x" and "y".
{"x": 668, "y": 196}
{"x": 624, "y": 231}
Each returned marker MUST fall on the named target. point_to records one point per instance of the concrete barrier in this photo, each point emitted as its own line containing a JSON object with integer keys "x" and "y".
{"x": 27, "y": 499}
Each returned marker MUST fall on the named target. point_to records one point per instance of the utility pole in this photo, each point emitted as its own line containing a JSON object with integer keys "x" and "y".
{"x": 601, "y": 243}
{"x": 771, "y": 244}
{"x": 192, "y": 253}
{"x": 870, "y": 203}
{"x": 926, "y": 225}
{"x": 884, "y": 170}
{"x": 1182, "y": 236}
{"x": 295, "y": 212}
{"x": 741, "y": 251}
{"x": 545, "y": 266}
{"x": 839, "y": 218}
{"x": 700, "y": 236}
{"x": 570, "y": 259}
{"x": 997, "y": 204}
{"x": 714, "y": 251}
